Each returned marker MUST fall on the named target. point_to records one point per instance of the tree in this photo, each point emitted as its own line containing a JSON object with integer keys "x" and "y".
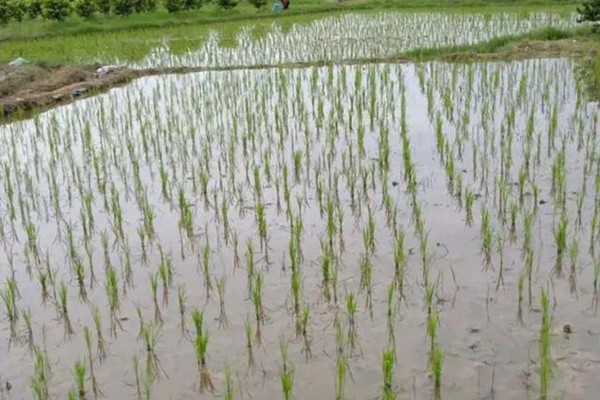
{"x": 227, "y": 4}
{"x": 103, "y": 6}
{"x": 174, "y": 5}
{"x": 123, "y": 8}
{"x": 4, "y": 12}
{"x": 590, "y": 12}
{"x": 34, "y": 8}
{"x": 18, "y": 9}
{"x": 258, "y": 3}
{"x": 85, "y": 8}
{"x": 192, "y": 4}
{"x": 56, "y": 9}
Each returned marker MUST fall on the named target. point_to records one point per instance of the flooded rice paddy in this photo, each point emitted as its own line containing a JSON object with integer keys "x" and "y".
{"x": 407, "y": 231}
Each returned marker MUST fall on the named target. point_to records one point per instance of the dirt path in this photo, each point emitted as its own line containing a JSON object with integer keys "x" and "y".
{"x": 29, "y": 89}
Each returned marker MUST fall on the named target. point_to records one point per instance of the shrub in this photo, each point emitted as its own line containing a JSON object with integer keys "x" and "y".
{"x": 174, "y": 5}
{"x": 56, "y": 9}
{"x": 123, "y": 8}
{"x": 590, "y": 12}
{"x": 227, "y": 4}
{"x": 4, "y": 12}
{"x": 34, "y": 8}
{"x": 258, "y": 3}
{"x": 192, "y": 4}
{"x": 85, "y": 8}
{"x": 18, "y": 9}
{"x": 103, "y": 6}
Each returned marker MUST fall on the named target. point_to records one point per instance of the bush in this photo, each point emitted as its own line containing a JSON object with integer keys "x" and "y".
{"x": 85, "y": 8}
{"x": 123, "y": 8}
{"x": 56, "y": 9}
{"x": 258, "y": 3}
{"x": 5, "y": 12}
{"x": 18, "y": 9}
{"x": 103, "y": 6}
{"x": 590, "y": 12}
{"x": 192, "y": 4}
{"x": 174, "y": 5}
{"x": 34, "y": 8}
{"x": 227, "y": 4}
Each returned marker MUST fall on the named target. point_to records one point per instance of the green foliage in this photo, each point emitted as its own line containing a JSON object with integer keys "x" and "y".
{"x": 258, "y": 3}
{"x": 174, "y": 5}
{"x": 34, "y": 8}
{"x": 4, "y": 12}
{"x": 192, "y": 4}
{"x": 85, "y": 8}
{"x": 123, "y": 8}
{"x": 103, "y": 6}
{"x": 56, "y": 9}
{"x": 589, "y": 11}
{"x": 227, "y": 4}
{"x": 18, "y": 9}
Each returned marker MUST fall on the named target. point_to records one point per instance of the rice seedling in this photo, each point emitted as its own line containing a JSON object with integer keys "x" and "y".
{"x": 573, "y": 254}
{"x": 223, "y": 320}
{"x": 154, "y": 288}
{"x": 79, "y": 373}
{"x": 286, "y": 373}
{"x": 560, "y": 240}
{"x": 544, "y": 344}
{"x": 62, "y": 302}
{"x": 40, "y": 381}
{"x": 101, "y": 343}
{"x": 306, "y": 341}
{"x": 229, "y": 391}
{"x": 28, "y": 330}
{"x": 201, "y": 345}
{"x": 257, "y": 295}
{"x": 88, "y": 342}
{"x": 352, "y": 335}
{"x": 389, "y": 359}
{"x": 9, "y": 298}
{"x": 114, "y": 303}
{"x": 181, "y": 301}
{"x": 249, "y": 346}
{"x": 150, "y": 336}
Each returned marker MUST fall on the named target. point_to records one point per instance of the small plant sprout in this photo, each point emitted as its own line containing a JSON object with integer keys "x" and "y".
{"x": 200, "y": 345}
{"x": 544, "y": 344}
{"x": 388, "y": 375}
{"x": 79, "y": 372}
{"x": 181, "y": 300}
{"x": 64, "y": 310}
{"x": 286, "y": 373}
{"x": 223, "y": 320}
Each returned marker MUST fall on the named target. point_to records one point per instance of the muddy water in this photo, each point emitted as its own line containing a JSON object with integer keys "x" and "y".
{"x": 201, "y": 122}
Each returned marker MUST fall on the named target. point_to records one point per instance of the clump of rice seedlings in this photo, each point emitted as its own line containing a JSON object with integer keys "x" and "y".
{"x": 560, "y": 240}
{"x": 366, "y": 273}
{"x": 573, "y": 254}
{"x": 150, "y": 336}
{"x": 28, "y": 330}
{"x": 223, "y": 320}
{"x": 249, "y": 346}
{"x": 64, "y": 310}
{"x": 512, "y": 236}
{"x": 521, "y": 284}
{"x": 352, "y": 325}
{"x": 258, "y": 305}
{"x": 399, "y": 263}
{"x": 9, "y": 297}
{"x": 114, "y": 304}
{"x": 306, "y": 342}
{"x": 286, "y": 373}
{"x": 544, "y": 343}
{"x": 44, "y": 281}
{"x": 79, "y": 373}
{"x": 40, "y": 381}
{"x": 80, "y": 277}
{"x": 388, "y": 362}
{"x": 186, "y": 219}
{"x": 205, "y": 264}
{"x": 181, "y": 300}
{"x": 201, "y": 343}
{"x": 101, "y": 343}
{"x": 326, "y": 266}
{"x": 154, "y": 288}
{"x": 486, "y": 237}
{"x": 469, "y": 200}
{"x": 88, "y": 343}
{"x": 228, "y": 395}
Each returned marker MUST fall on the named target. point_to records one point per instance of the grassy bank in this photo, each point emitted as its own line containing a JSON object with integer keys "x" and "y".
{"x": 211, "y": 14}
